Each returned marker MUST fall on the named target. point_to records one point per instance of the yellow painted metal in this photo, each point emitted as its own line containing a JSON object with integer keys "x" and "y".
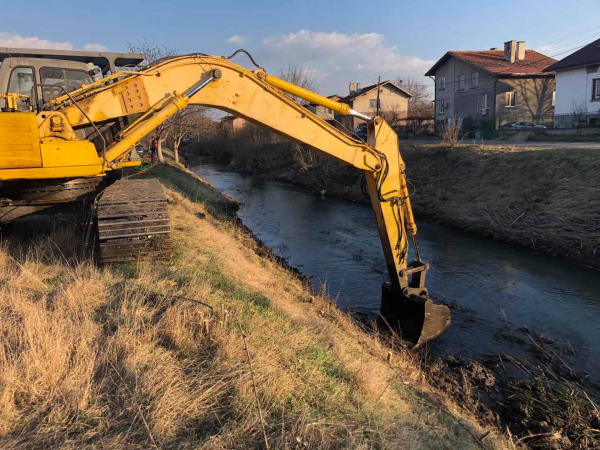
{"x": 54, "y": 125}
{"x": 61, "y": 159}
{"x": 143, "y": 126}
{"x": 12, "y": 99}
{"x": 52, "y": 172}
{"x": 257, "y": 98}
{"x": 307, "y": 95}
{"x": 135, "y": 97}
{"x": 135, "y": 163}
{"x": 251, "y": 95}
{"x": 239, "y": 91}
{"x": 19, "y": 142}
{"x": 388, "y": 200}
{"x": 70, "y": 153}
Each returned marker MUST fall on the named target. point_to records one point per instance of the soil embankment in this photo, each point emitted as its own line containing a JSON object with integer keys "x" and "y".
{"x": 153, "y": 354}
{"x": 545, "y": 199}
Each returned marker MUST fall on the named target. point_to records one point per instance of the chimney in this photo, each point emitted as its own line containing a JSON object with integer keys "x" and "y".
{"x": 357, "y": 87}
{"x": 520, "y": 50}
{"x": 510, "y": 51}
{"x": 352, "y": 88}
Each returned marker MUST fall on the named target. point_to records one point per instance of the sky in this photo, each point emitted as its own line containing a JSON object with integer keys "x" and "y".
{"x": 339, "y": 42}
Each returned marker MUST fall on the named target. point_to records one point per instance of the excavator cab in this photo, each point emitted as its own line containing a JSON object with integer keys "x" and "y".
{"x": 43, "y": 160}
{"x": 63, "y": 132}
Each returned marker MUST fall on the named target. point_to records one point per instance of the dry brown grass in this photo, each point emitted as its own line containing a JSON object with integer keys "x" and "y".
{"x": 109, "y": 357}
{"x": 541, "y": 198}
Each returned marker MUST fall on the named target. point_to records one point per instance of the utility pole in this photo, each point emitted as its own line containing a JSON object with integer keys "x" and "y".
{"x": 378, "y": 85}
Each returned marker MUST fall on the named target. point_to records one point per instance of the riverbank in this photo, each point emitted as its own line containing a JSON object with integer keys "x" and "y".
{"x": 153, "y": 354}
{"x": 544, "y": 199}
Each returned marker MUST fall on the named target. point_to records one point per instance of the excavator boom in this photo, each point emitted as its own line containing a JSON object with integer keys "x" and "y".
{"x": 153, "y": 95}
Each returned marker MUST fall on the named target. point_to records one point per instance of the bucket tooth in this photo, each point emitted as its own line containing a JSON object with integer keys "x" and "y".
{"x": 133, "y": 221}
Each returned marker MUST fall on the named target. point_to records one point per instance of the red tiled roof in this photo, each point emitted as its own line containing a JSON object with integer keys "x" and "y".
{"x": 493, "y": 61}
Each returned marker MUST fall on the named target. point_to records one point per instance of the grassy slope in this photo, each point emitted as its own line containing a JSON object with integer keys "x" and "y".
{"x": 109, "y": 357}
{"x": 541, "y": 198}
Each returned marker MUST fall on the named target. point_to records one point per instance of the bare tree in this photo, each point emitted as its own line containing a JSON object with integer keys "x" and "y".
{"x": 392, "y": 114}
{"x": 451, "y": 133}
{"x": 579, "y": 113}
{"x": 420, "y": 104}
{"x": 300, "y": 76}
{"x": 184, "y": 124}
{"x": 153, "y": 54}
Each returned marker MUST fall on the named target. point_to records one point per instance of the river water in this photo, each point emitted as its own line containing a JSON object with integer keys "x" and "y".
{"x": 498, "y": 288}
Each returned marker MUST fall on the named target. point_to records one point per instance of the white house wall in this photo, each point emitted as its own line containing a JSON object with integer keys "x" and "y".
{"x": 575, "y": 87}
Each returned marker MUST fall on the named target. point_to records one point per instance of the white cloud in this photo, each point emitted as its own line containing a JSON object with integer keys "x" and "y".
{"x": 95, "y": 48}
{"x": 16, "y": 40}
{"x": 236, "y": 39}
{"x": 349, "y": 57}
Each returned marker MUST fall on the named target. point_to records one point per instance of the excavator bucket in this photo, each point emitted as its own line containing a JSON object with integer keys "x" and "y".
{"x": 416, "y": 317}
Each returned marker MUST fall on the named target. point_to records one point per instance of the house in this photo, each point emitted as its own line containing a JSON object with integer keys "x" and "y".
{"x": 231, "y": 124}
{"x": 393, "y": 101}
{"x": 578, "y": 87}
{"x": 322, "y": 112}
{"x": 486, "y": 89}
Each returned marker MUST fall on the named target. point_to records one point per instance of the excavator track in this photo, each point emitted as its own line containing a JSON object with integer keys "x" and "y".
{"x": 133, "y": 221}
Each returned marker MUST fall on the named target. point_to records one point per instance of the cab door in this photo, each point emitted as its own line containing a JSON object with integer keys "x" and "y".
{"x": 21, "y": 81}
{"x": 19, "y": 138}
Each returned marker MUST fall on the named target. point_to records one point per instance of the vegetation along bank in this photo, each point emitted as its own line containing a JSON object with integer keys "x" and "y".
{"x": 545, "y": 199}
{"x": 158, "y": 353}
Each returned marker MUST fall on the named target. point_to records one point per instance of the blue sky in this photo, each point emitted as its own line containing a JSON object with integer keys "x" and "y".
{"x": 340, "y": 41}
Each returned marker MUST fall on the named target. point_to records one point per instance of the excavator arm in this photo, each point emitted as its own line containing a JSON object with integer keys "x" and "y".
{"x": 161, "y": 91}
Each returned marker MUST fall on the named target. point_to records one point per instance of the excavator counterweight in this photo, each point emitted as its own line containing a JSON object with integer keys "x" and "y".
{"x": 86, "y": 128}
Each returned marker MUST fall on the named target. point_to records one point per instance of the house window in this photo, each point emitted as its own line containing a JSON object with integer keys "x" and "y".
{"x": 328, "y": 111}
{"x": 461, "y": 82}
{"x": 373, "y": 103}
{"x": 442, "y": 83}
{"x": 442, "y": 106}
{"x": 554, "y": 98}
{"x": 596, "y": 89}
{"x": 474, "y": 80}
{"x": 511, "y": 99}
{"x": 483, "y": 102}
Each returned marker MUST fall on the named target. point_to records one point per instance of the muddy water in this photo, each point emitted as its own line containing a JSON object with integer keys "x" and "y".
{"x": 497, "y": 288}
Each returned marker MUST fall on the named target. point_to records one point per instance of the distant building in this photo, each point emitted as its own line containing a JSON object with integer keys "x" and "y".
{"x": 489, "y": 88}
{"x": 322, "y": 112}
{"x": 578, "y": 86}
{"x": 232, "y": 124}
{"x": 393, "y": 100}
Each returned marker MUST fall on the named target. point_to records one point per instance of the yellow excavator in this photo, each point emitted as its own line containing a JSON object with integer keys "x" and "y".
{"x": 70, "y": 121}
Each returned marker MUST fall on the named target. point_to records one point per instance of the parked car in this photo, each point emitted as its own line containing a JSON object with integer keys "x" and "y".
{"x": 522, "y": 125}
{"x": 140, "y": 149}
{"x": 360, "y": 132}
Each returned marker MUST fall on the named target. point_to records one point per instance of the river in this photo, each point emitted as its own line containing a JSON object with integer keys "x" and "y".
{"x": 498, "y": 288}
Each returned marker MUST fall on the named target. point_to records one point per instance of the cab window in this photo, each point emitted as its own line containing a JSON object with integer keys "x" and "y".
{"x": 70, "y": 79}
{"x": 20, "y": 82}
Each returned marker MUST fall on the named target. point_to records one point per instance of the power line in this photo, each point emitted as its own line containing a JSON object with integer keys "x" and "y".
{"x": 593, "y": 29}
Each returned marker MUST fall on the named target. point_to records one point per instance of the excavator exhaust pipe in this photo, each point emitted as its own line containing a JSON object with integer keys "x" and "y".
{"x": 411, "y": 312}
